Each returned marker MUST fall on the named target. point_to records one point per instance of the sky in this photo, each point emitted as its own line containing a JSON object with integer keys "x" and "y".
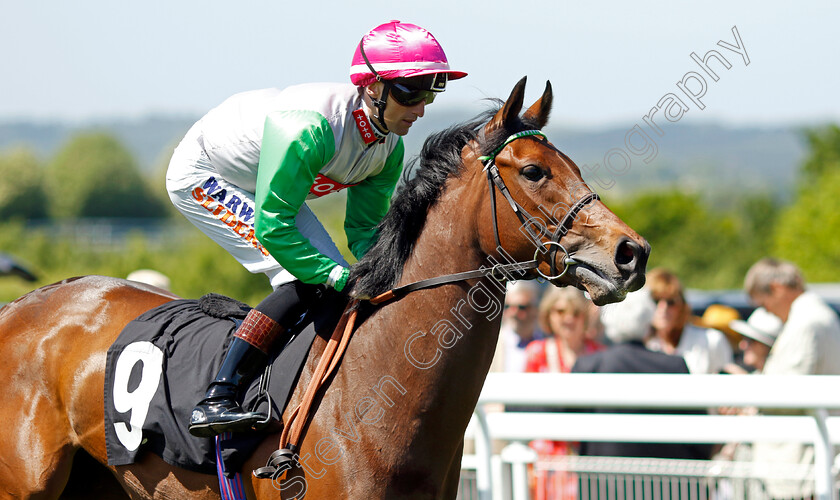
{"x": 609, "y": 62}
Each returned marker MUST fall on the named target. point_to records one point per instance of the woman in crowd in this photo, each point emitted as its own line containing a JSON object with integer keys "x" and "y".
{"x": 564, "y": 316}
{"x": 705, "y": 350}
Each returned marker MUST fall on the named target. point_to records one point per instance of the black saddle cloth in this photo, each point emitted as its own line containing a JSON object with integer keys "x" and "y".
{"x": 160, "y": 366}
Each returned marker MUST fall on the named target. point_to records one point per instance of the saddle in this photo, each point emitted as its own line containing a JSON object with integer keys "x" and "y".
{"x": 160, "y": 365}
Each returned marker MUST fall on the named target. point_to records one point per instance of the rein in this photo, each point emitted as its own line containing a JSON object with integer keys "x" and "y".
{"x": 495, "y": 181}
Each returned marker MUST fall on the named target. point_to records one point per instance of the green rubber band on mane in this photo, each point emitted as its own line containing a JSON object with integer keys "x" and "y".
{"x": 524, "y": 133}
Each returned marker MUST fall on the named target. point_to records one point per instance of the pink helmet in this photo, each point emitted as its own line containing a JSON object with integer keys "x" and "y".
{"x": 399, "y": 50}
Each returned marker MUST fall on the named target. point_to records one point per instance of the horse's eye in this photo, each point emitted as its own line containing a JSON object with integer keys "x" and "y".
{"x": 532, "y": 173}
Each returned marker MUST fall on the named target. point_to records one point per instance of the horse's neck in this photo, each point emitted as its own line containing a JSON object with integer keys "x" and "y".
{"x": 442, "y": 340}
{"x": 411, "y": 376}
{"x": 447, "y": 245}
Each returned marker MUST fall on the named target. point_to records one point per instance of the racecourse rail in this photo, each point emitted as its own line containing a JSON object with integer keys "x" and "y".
{"x": 809, "y": 400}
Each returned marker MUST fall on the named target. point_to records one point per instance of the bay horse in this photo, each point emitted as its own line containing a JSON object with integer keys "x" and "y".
{"x": 392, "y": 420}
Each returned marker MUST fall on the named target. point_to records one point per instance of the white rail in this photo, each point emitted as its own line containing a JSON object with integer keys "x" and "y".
{"x": 814, "y": 396}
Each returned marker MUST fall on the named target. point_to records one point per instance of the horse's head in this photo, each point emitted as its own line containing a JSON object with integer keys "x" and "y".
{"x": 550, "y": 214}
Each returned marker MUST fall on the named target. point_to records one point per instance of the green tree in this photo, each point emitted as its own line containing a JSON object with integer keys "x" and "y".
{"x": 706, "y": 247}
{"x": 21, "y": 185}
{"x": 808, "y": 229}
{"x": 96, "y": 176}
{"x": 824, "y": 156}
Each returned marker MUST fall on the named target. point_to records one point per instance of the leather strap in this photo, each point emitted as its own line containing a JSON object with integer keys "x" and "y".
{"x": 294, "y": 428}
{"x": 503, "y": 269}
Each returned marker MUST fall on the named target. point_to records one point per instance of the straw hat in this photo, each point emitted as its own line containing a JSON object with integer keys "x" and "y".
{"x": 761, "y": 326}
{"x": 719, "y": 317}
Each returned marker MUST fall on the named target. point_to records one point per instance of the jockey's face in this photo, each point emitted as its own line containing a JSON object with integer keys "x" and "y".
{"x": 398, "y": 117}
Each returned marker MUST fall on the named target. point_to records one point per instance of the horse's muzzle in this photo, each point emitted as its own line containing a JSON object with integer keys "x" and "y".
{"x": 631, "y": 260}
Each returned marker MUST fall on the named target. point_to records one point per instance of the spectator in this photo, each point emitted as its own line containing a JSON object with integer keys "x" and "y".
{"x": 758, "y": 334}
{"x": 719, "y": 317}
{"x": 626, "y": 325}
{"x": 564, "y": 315}
{"x": 150, "y": 277}
{"x": 705, "y": 350}
{"x": 808, "y": 344}
{"x": 519, "y": 327}
{"x": 595, "y": 330}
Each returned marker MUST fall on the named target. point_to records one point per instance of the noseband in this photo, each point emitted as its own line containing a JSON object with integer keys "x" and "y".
{"x": 551, "y": 246}
{"x": 495, "y": 181}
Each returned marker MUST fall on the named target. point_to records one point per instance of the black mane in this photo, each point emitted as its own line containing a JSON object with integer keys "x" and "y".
{"x": 380, "y": 269}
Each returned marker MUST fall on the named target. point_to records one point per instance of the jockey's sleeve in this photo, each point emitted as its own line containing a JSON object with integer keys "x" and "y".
{"x": 368, "y": 201}
{"x": 295, "y": 146}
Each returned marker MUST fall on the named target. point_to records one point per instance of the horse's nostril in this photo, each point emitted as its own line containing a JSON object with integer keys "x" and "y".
{"x": 625, "y": 253}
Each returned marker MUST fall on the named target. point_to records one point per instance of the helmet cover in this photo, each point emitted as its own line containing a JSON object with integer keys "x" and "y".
{"x": 399, "y": 50}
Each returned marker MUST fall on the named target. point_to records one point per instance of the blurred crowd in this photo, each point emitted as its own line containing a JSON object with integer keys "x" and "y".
{"x": 559, "y": 330}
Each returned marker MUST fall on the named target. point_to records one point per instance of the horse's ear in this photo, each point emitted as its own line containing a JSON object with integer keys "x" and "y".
{"x": 540, "y": 110}
{"x": 510, "y": 111}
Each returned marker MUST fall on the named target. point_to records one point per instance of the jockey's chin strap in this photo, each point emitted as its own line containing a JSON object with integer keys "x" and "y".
{"x": 495, "y": 181}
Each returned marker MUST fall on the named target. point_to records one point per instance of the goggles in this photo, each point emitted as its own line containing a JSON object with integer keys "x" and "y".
{"x": 411, "y": 91}
{"x": 409, "y": 97}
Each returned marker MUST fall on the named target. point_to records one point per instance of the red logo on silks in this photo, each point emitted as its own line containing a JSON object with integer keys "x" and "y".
{"x": 363, "y": 124}
{"x": 324, "y": 185}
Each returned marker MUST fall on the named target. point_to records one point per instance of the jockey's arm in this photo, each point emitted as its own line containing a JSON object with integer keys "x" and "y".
{"x": 295, "y": 146}
{"x": 368, "y": 202}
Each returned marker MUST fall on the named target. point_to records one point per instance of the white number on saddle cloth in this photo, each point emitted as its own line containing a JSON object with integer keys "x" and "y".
{"x": 138, "y": 400}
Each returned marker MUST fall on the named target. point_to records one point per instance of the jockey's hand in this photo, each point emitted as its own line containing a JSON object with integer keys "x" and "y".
{"x": 338, "y": 278}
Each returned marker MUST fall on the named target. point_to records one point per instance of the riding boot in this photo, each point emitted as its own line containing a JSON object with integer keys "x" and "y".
{"x": 219, "y": 411}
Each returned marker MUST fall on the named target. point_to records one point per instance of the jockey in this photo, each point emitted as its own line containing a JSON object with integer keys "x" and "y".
{"x": 243, "y": 172}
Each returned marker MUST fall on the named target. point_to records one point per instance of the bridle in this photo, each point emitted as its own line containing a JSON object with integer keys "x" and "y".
{"x": 499, "y": 271}
{"x": 551, "y": 246}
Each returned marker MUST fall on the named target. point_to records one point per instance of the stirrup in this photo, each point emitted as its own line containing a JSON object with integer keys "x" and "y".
{"x": 278, "y": 462}
{"x": 209, "y": 419}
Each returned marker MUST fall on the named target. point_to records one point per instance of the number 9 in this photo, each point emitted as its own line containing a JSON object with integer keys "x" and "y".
{"x": 138, "y": 400}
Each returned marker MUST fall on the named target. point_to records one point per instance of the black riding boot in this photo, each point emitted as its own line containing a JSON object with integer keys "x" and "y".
{"x": 219, "y": 412}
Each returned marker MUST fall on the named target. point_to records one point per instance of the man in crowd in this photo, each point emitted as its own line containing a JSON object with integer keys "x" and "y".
{"x": 519, "y": 327}
{"x": 809, "y": 344}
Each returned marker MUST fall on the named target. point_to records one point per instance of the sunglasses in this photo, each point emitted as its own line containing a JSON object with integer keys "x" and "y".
{"x": 518, "y": 307}
{"x": 668, "y": 302}
{"x": 408, "y": 97}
